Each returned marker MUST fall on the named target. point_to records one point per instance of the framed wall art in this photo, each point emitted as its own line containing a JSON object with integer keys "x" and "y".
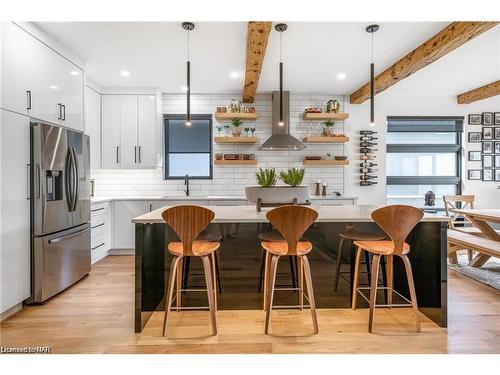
{"x": 487, "y": 161}
{"x": 474, "y": 174}
{"x": 474, "y": 155}
{"x": 487, "y": 174}
{"x": 496, "y": 118}
{"x": 487, "y": 134}
{"x": 488, "y": 147}
{"x": 475, "y": 119}
{"x": 487, "y": 118}
{"x": 475, "y": 137}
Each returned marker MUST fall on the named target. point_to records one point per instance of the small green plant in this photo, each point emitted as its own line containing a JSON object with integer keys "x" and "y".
{"x": 236, "y": 122}
{"x": 293, "y": 176}
{"x": 266, "y": 177}
{"x": 329, "y": 124}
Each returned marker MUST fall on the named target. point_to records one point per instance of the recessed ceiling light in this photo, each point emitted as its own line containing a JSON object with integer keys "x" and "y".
{"x": 184, "y": 88}
{"x": 74, "y": 73}
{"x": 151, "y": 96}
{"x": 234, "y": 75}
{"x": 53, "y": 87}
{"x": 125, "y": 73}
{"x": 341, "y": 76}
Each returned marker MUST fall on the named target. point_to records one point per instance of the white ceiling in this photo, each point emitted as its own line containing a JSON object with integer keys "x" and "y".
{"x": 314, "y": 53}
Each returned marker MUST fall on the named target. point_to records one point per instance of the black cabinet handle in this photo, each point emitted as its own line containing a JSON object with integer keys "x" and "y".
{"x": 97, "y": 209}
{"x": 135, "y": 154}
{"x": 63, "y": 112}
{"x": 117, "y": 147}
{"x": 59, "y": 111}
{"x": 93, "y": 248}
{"x": 140, "y": 154}
{"x": 97, "y": 226}
{"x": 28, "y": 99}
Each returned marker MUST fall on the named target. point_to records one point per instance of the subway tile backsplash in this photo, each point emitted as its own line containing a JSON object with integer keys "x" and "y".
{"x": 228, "y": 180}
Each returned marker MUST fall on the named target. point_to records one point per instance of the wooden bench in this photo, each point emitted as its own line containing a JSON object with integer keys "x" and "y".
{"x": 486, "y": 248}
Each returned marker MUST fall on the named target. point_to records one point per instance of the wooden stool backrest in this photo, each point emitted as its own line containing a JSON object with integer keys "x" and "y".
{"x": 188, "y": 221}
{"x": 292, "y": 222}
{"x": 397, "y": 221}
{"x": 450, "y": 204}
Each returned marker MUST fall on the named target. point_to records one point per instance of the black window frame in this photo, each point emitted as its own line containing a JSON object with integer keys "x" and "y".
{"x": 410, "y": 124}
{"x": 166, "y": 119}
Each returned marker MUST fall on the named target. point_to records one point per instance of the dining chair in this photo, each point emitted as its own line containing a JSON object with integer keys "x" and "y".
{"x": 458, "y": 221}
{"x": 188, "y": 221}
{"x": 291, "y": 221}
{"x": 397, "y": 221}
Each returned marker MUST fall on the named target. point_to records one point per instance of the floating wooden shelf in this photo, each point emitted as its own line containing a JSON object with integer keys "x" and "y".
{"x": 321, "y": 139}
{"x": 325, "y": 116}
{"x": 236, "y": 140}
{"x": 235, "y": 163}
{"x": 228, "y": 116}
{"x": 325, "y": 163}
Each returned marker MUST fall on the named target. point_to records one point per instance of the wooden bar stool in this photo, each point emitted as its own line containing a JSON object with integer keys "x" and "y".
{"x": 397, "y": 221}
{"x": 291, "y": 221}
{"x": 352, "y": 234}
{"x": 188, "y": 222}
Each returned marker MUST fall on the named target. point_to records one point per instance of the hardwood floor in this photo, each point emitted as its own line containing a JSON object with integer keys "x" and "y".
{"x": 96, "y": 316}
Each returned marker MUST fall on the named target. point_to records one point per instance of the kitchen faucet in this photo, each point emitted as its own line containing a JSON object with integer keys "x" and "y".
{"x": 186, "y": 182}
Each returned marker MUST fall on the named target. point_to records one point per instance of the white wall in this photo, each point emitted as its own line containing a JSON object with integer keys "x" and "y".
{"x": 399, "y": 100}
{"x": 228, "y": 180}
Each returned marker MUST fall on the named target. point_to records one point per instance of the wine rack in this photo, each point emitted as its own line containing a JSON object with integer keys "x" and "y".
{"x": 368, "y": 140}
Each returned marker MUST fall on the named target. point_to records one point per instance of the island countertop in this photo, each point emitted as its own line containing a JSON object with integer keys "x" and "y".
{"x": 248, "y": 214}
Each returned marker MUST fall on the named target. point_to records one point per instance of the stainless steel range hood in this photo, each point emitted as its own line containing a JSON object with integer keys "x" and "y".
{"x": 281, "y": 140}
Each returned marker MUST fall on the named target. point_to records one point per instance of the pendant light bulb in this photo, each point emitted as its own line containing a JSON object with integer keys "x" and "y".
{"x": 188, "y": 123}
{"x": 281, "y": 123}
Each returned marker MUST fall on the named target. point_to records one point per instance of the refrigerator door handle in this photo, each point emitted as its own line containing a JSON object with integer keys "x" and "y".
{"x": 28, "y": 171}
{"x": 76, "y": 190}
{"x": 56, "y": 240}
{"x": 38, "y": 182}
{"x": 69, "y": 180}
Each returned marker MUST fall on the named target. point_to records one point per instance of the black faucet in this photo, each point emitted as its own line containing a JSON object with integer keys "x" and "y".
{"x": 186, "y": 182}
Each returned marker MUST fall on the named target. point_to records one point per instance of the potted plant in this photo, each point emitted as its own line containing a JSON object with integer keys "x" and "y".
{"x": 293, "y": 177}
{"x": 236, "y": 127}
{"x": 268, "y": 193}
{"x": 328, "y": 127}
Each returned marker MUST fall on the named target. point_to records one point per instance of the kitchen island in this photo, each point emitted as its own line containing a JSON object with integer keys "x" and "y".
{"x": 240, "y": 260}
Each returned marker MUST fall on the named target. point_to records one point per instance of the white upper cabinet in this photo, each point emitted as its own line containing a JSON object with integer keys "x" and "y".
{"x": 147, "y": 130}
{"x": 39, "y": 82}
{"x": 110, "y": 131}
{"x": 128, "y": 131}
{"x": 93, "y": 125}
{"x": 129, "y": 152}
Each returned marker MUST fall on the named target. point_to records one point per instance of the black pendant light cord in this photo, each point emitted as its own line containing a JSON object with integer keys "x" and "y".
{"x": 280, "y": 28}
{"x": 372, "y": 89}
{"x": 188, "y": 26}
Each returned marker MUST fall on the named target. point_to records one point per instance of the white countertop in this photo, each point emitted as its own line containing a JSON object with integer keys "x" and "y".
{"x": 248, "y": 214}
{"x": 206, "y": 197}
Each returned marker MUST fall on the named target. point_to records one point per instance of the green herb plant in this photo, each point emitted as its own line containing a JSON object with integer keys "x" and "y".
{"x": 293, "y": 176}
{"x": 329, "y": 124}
{"x": 236, "y": 122}
{"x": 266, "y": 177}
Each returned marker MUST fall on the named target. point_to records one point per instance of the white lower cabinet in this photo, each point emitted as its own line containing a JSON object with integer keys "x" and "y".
{"x": 123, "y": 228}
{"x": 15, "y": 235}
{"x": 100, "y": 233}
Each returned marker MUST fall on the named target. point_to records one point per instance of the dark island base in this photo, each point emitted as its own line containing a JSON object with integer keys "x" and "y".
{"x": 240, "y": 262}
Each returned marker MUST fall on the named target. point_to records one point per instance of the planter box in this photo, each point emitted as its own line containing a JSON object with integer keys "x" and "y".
{"x": 277, "y": 194}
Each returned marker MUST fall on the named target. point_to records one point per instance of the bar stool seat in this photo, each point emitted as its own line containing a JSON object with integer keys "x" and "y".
{"x": 200, "y": 248}
{"x": 281, "y": 247}
{"x": 381, "y": 247}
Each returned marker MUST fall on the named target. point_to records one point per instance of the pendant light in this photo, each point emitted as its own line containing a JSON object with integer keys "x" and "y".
{"x": 280, "y": 27}
{"x": 372, "y": 29}
{"x": 188, "y": 26}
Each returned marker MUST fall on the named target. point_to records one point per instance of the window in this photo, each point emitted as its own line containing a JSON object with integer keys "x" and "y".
{"x": 423, "y": 154}
{"x": 188, "y": 150}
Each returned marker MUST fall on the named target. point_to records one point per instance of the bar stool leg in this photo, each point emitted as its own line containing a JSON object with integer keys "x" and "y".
{"x": 356, "y": 278}
{"x": 214, "y": 277}
{"x": 178, "y": 300}
{"x": 170, "y": 291}
{"x": 210, "y": 291}
{"x": 185, "y": 272}
{"x": 390, "y": 278}
{"x": 270, "y": 289}
{"x": 300, "y": 270}
{"x": 217, "y": 269}
{"x": 368, "y": 267}
{"x": 373, "y": 291}
{"x": 310, "y": 292}
{"x": 266, "y": 257}
{"x": 261, "y": 270}
{"x": 384, "y": 277}
{"x": 337, "y": 265}
{"x": 292, "y": 271}
{"x": 411, "y": 287}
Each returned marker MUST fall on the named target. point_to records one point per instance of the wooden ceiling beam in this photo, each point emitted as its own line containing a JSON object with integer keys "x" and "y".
{"x": 483, "y": 92}
{"x": 450, "y": 38}
{"x": 257, "y": 37}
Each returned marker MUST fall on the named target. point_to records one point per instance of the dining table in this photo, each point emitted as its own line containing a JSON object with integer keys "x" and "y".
{"x": 482, "y": 218}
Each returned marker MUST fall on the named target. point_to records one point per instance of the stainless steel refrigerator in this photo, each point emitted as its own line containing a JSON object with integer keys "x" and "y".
{"x": 60, "y": 209}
